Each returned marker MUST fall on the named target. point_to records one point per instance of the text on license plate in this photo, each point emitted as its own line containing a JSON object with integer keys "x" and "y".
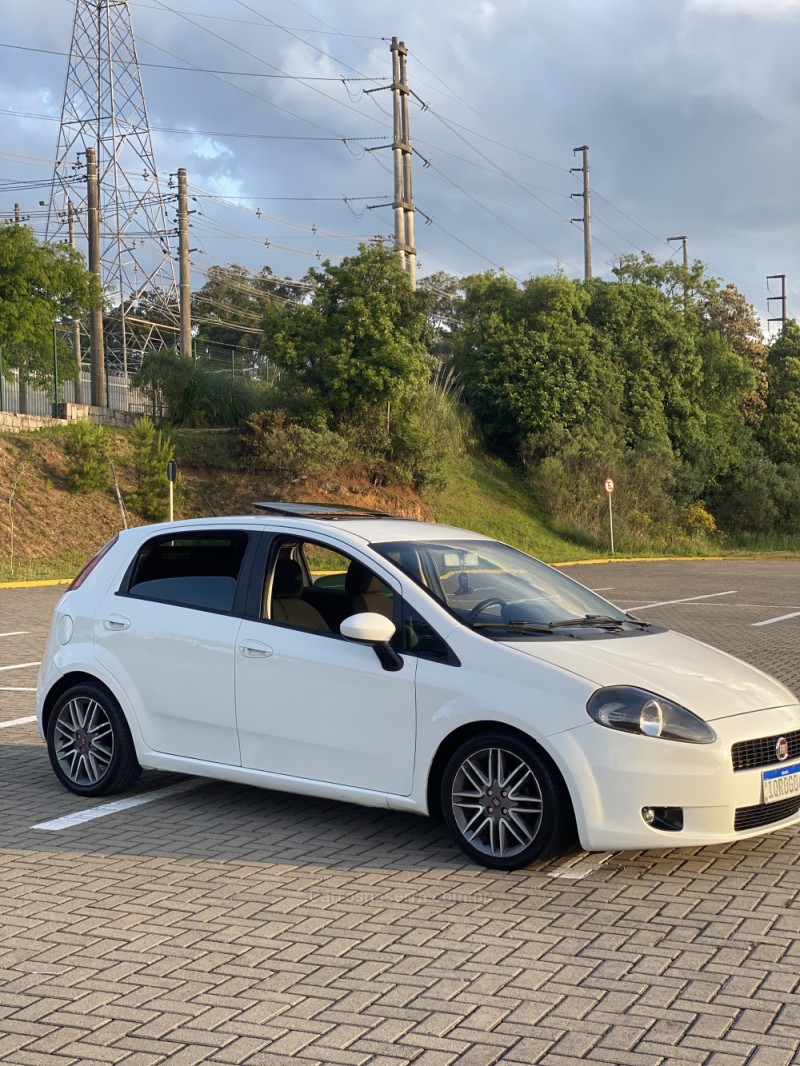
{"x": 781, "y": 783}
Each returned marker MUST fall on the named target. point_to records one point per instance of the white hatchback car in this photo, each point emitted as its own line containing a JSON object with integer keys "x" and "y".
{"x": 393, "y": 663}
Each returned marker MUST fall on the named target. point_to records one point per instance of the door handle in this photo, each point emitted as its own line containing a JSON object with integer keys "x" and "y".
{"x": 254, "y": 649}
{"x": 116, "y": 622}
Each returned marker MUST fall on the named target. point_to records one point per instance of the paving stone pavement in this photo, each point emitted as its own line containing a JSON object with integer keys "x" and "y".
{"x": 229, "y": 925}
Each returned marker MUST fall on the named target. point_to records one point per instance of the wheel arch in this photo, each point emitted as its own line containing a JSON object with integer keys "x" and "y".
{"x": 465, "y": 732}
{"x": 67, "y": 681}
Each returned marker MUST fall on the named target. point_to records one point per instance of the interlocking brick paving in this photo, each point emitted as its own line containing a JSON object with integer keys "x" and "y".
{"x": 231, "y": 925}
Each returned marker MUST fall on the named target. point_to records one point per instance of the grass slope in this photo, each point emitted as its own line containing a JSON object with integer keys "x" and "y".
{"x": 486, "y": 496}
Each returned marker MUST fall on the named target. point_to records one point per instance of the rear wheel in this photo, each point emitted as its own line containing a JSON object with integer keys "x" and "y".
{"x": 89, "y": 743}
{"x": 504, "y": 803}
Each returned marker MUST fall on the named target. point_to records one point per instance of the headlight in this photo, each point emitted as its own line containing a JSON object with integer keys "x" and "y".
{"x": 634, "y": 710}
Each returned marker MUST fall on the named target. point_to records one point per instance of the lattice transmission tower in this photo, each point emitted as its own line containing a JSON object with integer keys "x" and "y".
{"x": 104, "y": 108}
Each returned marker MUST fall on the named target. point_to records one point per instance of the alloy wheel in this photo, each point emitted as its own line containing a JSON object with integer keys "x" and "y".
{"x": 83, "y": 741}
{"x": 497, "y": 802}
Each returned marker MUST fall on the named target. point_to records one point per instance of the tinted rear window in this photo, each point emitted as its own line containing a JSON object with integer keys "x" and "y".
{"x": 192, "y": 570}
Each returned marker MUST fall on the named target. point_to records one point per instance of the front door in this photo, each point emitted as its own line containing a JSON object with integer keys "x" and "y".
{"x": 310, "y": 704}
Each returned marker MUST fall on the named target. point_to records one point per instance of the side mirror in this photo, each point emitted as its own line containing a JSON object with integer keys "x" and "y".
{"x": 374, "y": 629}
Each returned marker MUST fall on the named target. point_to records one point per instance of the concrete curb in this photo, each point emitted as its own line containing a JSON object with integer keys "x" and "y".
{"x": 33, "y": 584}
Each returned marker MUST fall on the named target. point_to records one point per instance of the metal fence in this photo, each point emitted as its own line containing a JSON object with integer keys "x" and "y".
{"x": 120, "y": 395}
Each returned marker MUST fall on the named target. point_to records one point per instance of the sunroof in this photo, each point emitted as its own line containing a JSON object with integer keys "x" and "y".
{"x": 319, "y": 510}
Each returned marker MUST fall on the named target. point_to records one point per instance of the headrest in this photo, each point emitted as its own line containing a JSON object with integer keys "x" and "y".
{"x": 288, "y": 580}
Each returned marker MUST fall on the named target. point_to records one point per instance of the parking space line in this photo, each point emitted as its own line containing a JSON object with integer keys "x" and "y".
{"x": 19, "y": 666}
{"x": 780, "y": 618}
{"x": 581, "y": 866}
{"x": 607, "y": 588}
{"x": 16, "y": 688}
{"x": 66, "y": 821}
{"x": 18, "y": 721}
{"x": 16, "y": 633}
{"x": 687, "y": 599}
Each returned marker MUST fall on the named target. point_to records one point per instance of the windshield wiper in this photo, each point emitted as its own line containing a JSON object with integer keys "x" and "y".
{"x": 521, "y": 626}
{"x": 600, "y": 620}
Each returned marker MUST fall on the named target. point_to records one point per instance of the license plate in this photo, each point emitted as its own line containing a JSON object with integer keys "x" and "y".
{"x": 782, "y": 783}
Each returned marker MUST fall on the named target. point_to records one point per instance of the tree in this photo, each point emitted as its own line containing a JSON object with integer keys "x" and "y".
{"x": 229, "y": 307}
{"x": 780, "y": 429}
{"x": 446, "y": 300}
{"x": 41, "y": 285}
{"x": 358, "y": 348}
{"x": 527, "y": 363}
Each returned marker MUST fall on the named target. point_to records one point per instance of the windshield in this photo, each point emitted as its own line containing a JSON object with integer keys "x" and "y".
{"x": 489, "y": 585}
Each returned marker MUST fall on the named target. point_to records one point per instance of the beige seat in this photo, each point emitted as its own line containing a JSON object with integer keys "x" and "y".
{"x": 367, "y": 592}
{"x": 287, "y": 602}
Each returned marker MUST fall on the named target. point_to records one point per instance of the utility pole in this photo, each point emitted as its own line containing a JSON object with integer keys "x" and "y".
{"x": 401, "y": 151}
{"x": 781, "y": 297}
{"x": 98, "y": 369}
{"x": 183, "y": 266}
{"x": 587, "y": 210}
{"x": 76, "y": 326}
{"x": 685, "y": 242}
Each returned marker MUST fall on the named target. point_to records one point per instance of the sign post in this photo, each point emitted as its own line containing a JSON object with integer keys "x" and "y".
{"x": 608, "y": 484}
{"x": 172, "y": 473}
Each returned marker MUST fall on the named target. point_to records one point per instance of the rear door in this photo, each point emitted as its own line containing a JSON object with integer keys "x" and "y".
{"x": 169, "y": 636}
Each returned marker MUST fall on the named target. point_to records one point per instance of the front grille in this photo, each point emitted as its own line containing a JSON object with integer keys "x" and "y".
{"x": 765, "y": 814}
{"x": 749, "y": 754}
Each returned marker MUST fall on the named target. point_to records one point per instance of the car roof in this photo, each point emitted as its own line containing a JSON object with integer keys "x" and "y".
{"x": 369, "y": 529}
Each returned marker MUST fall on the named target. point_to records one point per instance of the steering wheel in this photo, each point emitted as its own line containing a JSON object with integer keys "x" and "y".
{"x": 479, "y": 608}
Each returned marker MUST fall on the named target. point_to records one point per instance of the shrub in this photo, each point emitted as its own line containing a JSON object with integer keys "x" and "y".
{"x": 151, "y": 450}
{"x": 87, "y": 449}
{"x": 273, "y": 444}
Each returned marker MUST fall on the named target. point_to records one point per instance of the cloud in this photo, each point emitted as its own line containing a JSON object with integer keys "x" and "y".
{"x": 204, "y": 147}
{"x": 760, "y": 9}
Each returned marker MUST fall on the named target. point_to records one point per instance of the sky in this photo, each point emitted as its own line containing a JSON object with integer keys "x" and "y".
{"x": 690, "y": 109}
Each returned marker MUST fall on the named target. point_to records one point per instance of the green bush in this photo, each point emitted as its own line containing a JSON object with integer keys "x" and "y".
{"x": 192, "y": 394}
{"x": 151, "y": 450}
{"x": 86, "y": 447}
{"x": 273, "y": 444}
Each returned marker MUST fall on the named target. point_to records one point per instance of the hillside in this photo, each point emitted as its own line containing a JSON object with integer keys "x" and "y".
{"x": 48, "y": 532}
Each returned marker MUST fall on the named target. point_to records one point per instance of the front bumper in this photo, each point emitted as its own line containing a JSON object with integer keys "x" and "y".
{"x": 612, "y": 776}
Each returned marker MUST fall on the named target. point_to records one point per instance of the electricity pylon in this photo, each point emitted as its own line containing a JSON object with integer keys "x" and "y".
{"x": 104, "y": 109}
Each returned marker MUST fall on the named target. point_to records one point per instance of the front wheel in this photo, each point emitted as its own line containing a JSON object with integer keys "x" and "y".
{"x": 89, "y": 743}
{"x": 503, "y": 802}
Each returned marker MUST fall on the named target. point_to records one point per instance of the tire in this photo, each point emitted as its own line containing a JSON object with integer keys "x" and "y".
{"x": 89, "y": 742}
{"x": 504, "y": 803}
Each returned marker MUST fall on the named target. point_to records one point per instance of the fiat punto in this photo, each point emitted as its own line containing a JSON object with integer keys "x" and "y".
{"x": 382, "y": 661}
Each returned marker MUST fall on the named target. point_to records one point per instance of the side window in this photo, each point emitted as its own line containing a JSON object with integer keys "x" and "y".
{"x": 315, "y": 587}
{"x": 191, "y": 570}
{"x": 421, "y": 639}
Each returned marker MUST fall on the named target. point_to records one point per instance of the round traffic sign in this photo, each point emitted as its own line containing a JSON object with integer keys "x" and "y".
{"x": 609, "y": 484}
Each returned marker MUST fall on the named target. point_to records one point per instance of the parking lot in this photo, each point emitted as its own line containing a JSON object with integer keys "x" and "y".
{"x": 197, "y": 921}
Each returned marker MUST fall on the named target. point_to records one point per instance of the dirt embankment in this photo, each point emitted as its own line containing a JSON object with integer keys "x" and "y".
{"x": 48, "y": 531}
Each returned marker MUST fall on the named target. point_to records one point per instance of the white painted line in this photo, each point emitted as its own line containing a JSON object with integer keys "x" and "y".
{"x": 581, "y": 866}
{"x": 688, "y": 599}
{"x": 780, "y": 618}
{"x": 16, "y": 633}
{"x": 608, "y": 588}
{"x": 89, "y": 815}
{"x": 16, "y": 688}
{"x": 19, "y": 666}
{"x": 17, "y": 721}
